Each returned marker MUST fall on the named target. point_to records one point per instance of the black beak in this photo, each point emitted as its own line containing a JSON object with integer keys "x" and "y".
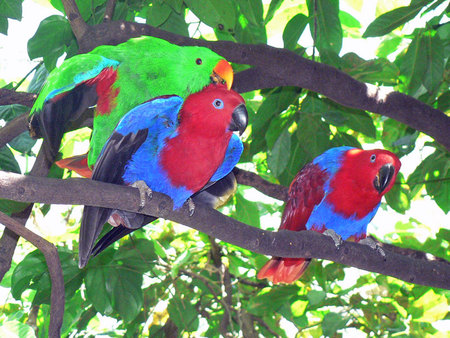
{"x": 239, "y": 119}
{"x": 384, "y": 177}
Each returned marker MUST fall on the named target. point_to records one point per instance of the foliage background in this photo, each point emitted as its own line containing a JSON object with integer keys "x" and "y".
{"x": 169, "y": 279}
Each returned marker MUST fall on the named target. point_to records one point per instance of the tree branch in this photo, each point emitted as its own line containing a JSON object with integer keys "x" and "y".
{"x": 54, "y": 268}
{"x": 281, "y": 67}
{"x": 109, "y": 11}
{"x": 13, "y": 129}
{"x": 9, "y": 96}
{"x": 284, "y": 243}
{"x": 79, "y": 26}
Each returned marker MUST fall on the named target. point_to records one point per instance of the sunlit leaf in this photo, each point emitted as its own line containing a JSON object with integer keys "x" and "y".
{"x": 215, "y": 13}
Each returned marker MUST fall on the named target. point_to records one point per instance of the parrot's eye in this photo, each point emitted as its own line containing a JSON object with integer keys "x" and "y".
{"x": 198, "y": 61}
{"x": 373, "y": 158}
{"x": 218, "y": 104}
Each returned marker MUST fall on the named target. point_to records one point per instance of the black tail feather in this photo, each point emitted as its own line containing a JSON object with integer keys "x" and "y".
{"x": 51, "y": 122}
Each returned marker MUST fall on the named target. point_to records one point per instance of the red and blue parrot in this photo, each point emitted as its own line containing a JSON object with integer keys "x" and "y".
{"x": 175, "y": 147}
{"x": 339, "y": 191}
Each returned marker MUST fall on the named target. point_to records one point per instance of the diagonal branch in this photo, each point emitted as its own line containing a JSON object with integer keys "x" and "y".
{"x": 79, "y": 26}
{"x": 109, "y": 11}
{"x": 284, "y": 243}
{"x": 54, "y": 268}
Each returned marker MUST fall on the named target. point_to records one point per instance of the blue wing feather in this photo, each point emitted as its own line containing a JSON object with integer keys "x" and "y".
{"x": 232, "y": 156}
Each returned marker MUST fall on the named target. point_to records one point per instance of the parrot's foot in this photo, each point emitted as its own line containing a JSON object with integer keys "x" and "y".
{"x": 191, "y": 206}
{"x": 144, "y": 192}
{"x": 374, "y": 246}
{"x": 337, "y": 239}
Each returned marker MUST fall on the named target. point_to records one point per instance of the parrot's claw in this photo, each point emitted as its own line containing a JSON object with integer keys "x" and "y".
{"x": 191, "y": 206}
{"x": 337, "y": 239}
{"x": 374, "y": 246}
{"x": 144, "y": 192}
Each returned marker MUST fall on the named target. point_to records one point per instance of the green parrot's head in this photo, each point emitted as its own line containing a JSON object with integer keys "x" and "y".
{"x": 202, "y": 66}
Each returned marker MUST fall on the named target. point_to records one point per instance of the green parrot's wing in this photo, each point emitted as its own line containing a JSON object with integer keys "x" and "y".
{"x": 69, "y": 90}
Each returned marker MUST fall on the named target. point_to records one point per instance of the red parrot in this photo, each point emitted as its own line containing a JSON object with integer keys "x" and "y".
{"x": 339, "y": 190}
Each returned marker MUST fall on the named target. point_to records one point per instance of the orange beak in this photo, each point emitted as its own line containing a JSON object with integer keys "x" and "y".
{"x": 223, "y": 73}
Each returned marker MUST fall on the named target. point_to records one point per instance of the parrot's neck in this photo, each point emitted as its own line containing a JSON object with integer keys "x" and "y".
{"x": 191, "y": 160}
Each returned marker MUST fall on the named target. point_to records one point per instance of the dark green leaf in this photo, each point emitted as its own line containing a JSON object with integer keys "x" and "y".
{"x": 50, "y": 40}
{"x": 7, "y": 161}
{"x": 278, "y": 157}
{"x": 435, "y": 61}
{"x": 293, "y": 30}
{"x": 269, "y": 301}
{"x": 412, "y": 65}
{"x": 252, "y": 10}
{"x": 176, "y": 24}
{"x": 39, "y": 77}
{"x": 333, "y": 322}
{"x": 389, "y": 21}
{"x": 398, "y": 197}
{"x": 246, "y": 211}
{"x": 215, "y": 13}
{"x": 33, "y": 266}
{"x": 23, "y": 143}
{"x": 3, "y": 25}
{"x": 11, "y": 207}
{"x": 9, "y": 112}
{"x": 99, "y": 289}
{"x": 136, "y": 255}
{"x": 329, "y": 30}
{"x": 273, "y": 7}
{"x": 126, "y": 293}
{"x": 11, "y": 9}
{"x": 183, "y": 314}
{"x": 158, "y": 13}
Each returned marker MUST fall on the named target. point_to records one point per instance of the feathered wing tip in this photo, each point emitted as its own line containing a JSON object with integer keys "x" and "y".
{"x": 277, "y": 270}
{"x": 76, "y": 163}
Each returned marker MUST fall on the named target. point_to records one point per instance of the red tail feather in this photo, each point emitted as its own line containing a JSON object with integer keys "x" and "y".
{"x": 76, "y": 163}
{"x": 283, "y": 270}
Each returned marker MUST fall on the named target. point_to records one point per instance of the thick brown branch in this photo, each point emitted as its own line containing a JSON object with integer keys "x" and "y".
{"x": 9, "y": 96}
{"x": 253, "y": 180}
{"x": 79, "y": 26}
{"x": 13, "y": 129}
{"x": 279, "y": 67}
{"x": 283, "y": 243}
{"x": 54, "y": 269}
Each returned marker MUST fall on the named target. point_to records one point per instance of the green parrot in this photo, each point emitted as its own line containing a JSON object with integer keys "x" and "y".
{"x": 115, "y": 79}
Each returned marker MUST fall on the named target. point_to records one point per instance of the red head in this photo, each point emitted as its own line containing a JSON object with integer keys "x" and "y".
{"x": 362, "y": 179}
{"x": 213, "y": 111}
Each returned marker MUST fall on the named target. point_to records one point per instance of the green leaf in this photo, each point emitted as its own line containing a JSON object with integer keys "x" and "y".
{"x": 23, "y": 143}
{"x": 9, "y": 112}
{"x": 3, "y": 25}
{"x": 158, "y": 13}
{"x": 215, "y": 13}
{"x": 183, "y": 314}
{"x": 348, "y": 20}
{"x": 435, "y": 61}
{"x": 176, "y": 24}
{"x": 332, "y": 322}
{"x": 136, "y": 255}
{"x": 430, "y": 307}
{"x": 127, "y": 294}
{"x": 98, "y": 288}
{"x": 270, "y": 300}
{"x": 388, "y": 46}
{"x": 273, "y": 7}
{"x": 316, "y": 297}
{"x": 389, "y": 21}
{"x": 278, "y": 157}
{"x": 38, "y": 80}
{"x": 246, "y": 211}
{"x": 293, "y": 30}
{"x": 11, "y": 9}
{"x": 15, "y": 328}
{"x": 438, "y": 180}
{"x": 252, "y": 10}
{"x": 398, "y": 197}
{"x": 329, "y": 29}
{"x": 412, "y": 65}
{"x": 50, "y": 40}
{"x": 32, "y": 267}
{"x": 7, "y": 161}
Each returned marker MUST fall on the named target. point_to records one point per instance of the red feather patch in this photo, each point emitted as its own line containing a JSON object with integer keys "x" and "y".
{"x": 105, "y": 91}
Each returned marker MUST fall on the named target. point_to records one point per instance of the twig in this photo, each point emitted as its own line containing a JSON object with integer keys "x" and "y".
{"x": 79, "y": 26}
{"x": 54, "y": 267}
{"x": 309, "y": 244}
{"x": 109, "y": 11}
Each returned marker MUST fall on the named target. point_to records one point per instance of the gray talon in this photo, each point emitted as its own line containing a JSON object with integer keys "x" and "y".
{"x": 337, "y": 239}
{"x": 144, "y": 191}
{"x": 191, "y": 206}
{"x": 374, "y": 246}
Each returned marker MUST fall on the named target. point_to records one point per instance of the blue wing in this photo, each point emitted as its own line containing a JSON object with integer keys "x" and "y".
{"x": 232, "y": 156}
